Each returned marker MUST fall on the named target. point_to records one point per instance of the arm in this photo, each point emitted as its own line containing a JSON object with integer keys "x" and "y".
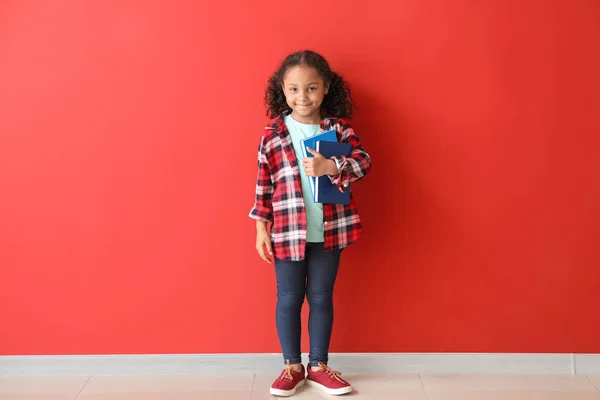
{"x": 353, "y": 168}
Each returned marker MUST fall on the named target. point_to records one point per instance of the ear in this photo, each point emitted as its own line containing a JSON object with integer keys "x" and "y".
{"x": 326, "y": 88}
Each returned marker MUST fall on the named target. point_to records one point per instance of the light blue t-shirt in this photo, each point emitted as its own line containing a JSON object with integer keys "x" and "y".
{"x": 314, "y": 211}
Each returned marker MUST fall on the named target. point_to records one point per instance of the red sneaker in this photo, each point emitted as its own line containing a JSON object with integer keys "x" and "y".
{"x": 288, "y": 381}
{"x": 327, "y": 380}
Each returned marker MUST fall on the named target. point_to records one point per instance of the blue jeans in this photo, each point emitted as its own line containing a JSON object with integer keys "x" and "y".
{"x": 314, "y": 277}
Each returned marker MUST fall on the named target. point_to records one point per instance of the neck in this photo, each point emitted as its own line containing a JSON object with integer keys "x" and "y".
{"x": 311, "y": 119}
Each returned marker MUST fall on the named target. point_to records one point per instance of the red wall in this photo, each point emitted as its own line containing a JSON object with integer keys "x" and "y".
{"x": 127, "y": 166}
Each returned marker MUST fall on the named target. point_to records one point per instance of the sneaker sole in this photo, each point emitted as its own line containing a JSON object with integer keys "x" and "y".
{"x": 335, "y": 392}
{"x": 287, "y": 393}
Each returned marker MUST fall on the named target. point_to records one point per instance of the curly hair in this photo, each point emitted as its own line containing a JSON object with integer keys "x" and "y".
{"x": 338, "y": 102}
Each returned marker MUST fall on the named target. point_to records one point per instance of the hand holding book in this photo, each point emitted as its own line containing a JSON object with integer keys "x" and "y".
{"x": 317, "y": 165}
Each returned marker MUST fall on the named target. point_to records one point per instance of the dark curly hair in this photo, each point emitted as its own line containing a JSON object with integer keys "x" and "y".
{"x": 337, "y": 102}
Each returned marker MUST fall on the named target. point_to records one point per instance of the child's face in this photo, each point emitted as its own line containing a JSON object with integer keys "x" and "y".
{"x": 304, "y": 90}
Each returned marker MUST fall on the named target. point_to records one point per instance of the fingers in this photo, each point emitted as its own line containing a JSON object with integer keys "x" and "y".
{"x": 261, "y": 251}
{"x": 269, "y": 248}
{"x": 307, "y": 164}
{"x": 309, "y": 170}
{"x": 313, "y": 164}
{"x": 313, "y": 152}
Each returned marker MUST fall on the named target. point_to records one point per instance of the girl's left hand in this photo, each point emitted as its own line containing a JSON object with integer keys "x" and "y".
{"x": 318, "y": 165}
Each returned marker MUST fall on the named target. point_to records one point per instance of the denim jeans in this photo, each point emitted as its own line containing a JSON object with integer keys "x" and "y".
{"x": 314, "y": 277}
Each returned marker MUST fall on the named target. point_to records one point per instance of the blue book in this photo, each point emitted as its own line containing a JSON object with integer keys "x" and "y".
{"x": 329, "y": 136}
{"x": 326, "y": 192}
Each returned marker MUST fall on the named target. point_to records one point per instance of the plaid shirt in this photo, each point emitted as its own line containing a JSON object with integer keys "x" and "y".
{"x": 279, "y": 191}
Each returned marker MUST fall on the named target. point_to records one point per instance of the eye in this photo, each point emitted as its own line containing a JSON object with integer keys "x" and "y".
{"x": 312, "y": 89}
{"x": 293, "y": 89}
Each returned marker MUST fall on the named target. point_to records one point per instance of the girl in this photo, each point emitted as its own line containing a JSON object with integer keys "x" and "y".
{"x": 305, "y": 97}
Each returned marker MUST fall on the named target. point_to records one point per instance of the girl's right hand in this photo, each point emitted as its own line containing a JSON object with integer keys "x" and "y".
{"x": 263, "y": 239}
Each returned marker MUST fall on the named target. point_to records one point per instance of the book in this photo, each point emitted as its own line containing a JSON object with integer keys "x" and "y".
{"x": 326, "y": 192}
{"x": 329, "y": 136}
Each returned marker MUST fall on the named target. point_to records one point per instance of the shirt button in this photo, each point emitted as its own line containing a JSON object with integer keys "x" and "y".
{"x": 325, "y": 223}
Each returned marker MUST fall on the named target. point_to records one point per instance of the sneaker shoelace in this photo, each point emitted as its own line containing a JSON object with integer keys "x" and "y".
{"x": 287, "y": 372}
{"x": 330, "y": 372}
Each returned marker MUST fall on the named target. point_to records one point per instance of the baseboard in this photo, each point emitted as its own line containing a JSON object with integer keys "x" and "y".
{"x": 354, "y": 363}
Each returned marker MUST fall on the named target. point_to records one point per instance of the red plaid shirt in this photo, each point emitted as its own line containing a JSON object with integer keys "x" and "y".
{"x": 279, "y": 191}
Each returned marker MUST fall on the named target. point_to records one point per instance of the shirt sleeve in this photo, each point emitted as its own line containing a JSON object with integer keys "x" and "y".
{"x": 263, "y": 208}
{"x": 352, "y": 168}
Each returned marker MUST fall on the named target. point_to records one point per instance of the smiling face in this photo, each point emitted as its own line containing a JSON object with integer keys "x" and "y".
{"x": 304, "y": 90}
